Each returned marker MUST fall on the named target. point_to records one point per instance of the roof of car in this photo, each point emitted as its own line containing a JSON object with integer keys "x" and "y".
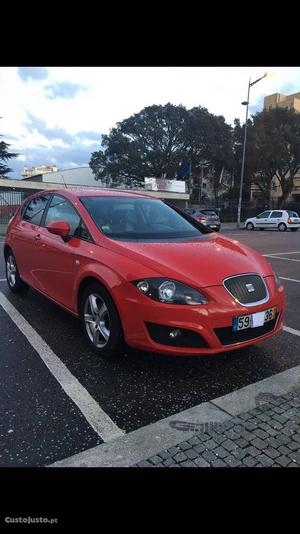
{"x": 91, "y": 192}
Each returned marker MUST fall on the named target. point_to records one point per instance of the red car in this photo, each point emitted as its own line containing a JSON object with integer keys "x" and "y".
{"x": 136, "y": 270}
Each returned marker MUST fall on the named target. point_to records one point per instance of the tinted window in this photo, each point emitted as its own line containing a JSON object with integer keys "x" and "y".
{"x": 35, "y": 208}
{"x": 60, "y": 209}
{"x": 276, "y": 214}
{"x": 209, "y": 212}
{"x": 263, "y": 215}
{"x": 137, "y": 218}
{"x": 190, "y": 211}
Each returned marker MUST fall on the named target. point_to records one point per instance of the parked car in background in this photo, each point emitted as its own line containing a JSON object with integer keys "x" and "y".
{"x": 281, "y": 220}
{"x": 207, "y": 217}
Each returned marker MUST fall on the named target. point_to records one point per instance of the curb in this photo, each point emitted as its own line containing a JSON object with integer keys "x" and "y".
{"x": 148, "y": 441}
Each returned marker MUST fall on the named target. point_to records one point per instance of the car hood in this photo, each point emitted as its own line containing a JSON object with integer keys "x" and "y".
{"x": 204, "y": 263}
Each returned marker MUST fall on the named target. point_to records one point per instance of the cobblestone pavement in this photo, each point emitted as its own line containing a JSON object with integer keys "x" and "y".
{"x": 268, "y": 436}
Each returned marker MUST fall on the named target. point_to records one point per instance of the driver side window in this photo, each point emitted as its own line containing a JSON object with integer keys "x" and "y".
{"x": 60, "y": 209}
{"x": 263, "y": 215}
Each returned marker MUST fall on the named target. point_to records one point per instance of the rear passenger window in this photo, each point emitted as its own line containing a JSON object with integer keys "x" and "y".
{"x": 35, "y": 208}
{"x": 276, "y": 214}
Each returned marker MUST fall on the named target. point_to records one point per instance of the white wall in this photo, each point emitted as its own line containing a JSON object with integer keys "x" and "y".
{"x": 76, "y": 176}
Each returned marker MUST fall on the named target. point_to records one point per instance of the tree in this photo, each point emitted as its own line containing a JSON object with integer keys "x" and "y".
{"x": 152, "y": 143}
{"x": 276, "y": 150}
{"x": 4, "y": 157}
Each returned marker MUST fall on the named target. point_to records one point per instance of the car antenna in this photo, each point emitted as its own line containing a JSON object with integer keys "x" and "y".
{"x": 64, "y": 181}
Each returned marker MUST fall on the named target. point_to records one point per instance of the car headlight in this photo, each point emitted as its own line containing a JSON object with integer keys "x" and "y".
{"x": 277, "y": 279}
{"x": 170, "y": 291}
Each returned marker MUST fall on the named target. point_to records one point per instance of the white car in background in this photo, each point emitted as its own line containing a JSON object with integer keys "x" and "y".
{"x": 280, "y": 219}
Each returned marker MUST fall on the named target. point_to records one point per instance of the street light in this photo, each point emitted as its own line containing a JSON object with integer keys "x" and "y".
{"x": 246, "y": 103}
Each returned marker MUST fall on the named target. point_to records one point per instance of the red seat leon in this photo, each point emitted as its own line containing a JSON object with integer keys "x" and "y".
{"x": 136, "y": 270}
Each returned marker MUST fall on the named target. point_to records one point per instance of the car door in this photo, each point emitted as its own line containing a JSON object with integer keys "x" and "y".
{"x": 275, "y": 219}
{"x": 262, "y": 220}
{"x": 58, "y": 259}
{"x": 25, "y": 236}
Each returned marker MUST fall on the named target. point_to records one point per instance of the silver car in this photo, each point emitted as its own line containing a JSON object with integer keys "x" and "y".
{"x": 205, "y": 216}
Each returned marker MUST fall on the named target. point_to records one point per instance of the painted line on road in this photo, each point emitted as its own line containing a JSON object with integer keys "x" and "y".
{"x": 149, "y": 440}
{"x": 292, "y": 331}
{"x": 93, "y": 413}
{"x": 280, "y": 253}
{"x": 279, "y": 258}
{"x": 289, "y": 279}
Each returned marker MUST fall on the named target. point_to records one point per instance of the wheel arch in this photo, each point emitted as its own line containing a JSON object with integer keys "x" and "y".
{"x": 7, "y": 248}
{"x": 92, "y": 279}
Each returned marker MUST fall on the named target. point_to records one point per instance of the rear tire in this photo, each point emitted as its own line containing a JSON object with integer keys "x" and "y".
{"x": 100, "y": 322}
{"x": 250, "y": 226}
{"x": 14, "y": 282}
{"x": 282, "y": 227}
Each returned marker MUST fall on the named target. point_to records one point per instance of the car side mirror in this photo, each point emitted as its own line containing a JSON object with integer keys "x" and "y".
{"x": 61, "y": 228}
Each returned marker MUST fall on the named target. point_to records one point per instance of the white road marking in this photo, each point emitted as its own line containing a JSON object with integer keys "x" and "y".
{"x": 292, "y": 330}
{"x": 290, "y": 279}
{"x": 280, "y": 253}
{"x": 279, "y": 258}
{"x": 96, "y": 417}
{"x": 2, "y": 279}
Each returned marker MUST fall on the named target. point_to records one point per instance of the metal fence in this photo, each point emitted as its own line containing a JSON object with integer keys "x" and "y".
{"x": 9, "y": 203}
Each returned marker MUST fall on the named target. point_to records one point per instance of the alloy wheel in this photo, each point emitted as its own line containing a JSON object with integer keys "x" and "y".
{"x": 11, "y": 270}
{"x": 97, "y": 321}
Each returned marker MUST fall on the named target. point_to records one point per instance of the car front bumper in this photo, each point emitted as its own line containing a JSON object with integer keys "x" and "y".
{"x": 143, "y": 319}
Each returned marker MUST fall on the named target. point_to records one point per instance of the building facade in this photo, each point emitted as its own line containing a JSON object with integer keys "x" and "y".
{"x": 31, "y": 171}
{"x": 277, "y": 100}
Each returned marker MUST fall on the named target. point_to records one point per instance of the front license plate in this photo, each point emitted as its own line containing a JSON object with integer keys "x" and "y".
{"x": 254, "y": 320}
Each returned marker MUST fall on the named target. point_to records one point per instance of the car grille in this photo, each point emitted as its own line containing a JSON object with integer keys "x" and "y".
{"x": 227, "y": 337}
{"x": 236, "y": 286}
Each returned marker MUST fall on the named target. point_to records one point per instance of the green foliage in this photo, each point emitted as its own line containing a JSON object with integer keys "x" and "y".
{"x": 276, "y": 150}
{"x": 158, "y": 141}
{"x": 5, "y": 155}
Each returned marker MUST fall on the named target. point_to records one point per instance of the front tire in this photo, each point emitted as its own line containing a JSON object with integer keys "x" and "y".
{"x": 282, "y": 227}
{"x": 14, "y": 282}
{"x": 100, "y": 322}
{"x": 250, "y": 226}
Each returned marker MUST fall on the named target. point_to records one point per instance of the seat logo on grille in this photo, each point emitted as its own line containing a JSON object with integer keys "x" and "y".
{"x": 250, "y": 288}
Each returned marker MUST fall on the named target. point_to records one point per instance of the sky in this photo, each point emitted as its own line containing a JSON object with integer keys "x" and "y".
{"x": 56, "y": 115}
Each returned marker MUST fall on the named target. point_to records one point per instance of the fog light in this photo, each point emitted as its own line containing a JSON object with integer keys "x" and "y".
{"x": 175, "y": 333}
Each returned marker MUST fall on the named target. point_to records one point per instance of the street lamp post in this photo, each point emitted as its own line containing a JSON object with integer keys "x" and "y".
{"x": 244, "y": 146}
{"x": 203, "y": 166}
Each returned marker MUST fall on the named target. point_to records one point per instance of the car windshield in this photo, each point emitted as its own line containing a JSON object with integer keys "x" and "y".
{"x": 208, "y": 212}
{"x": 138, "y": 219}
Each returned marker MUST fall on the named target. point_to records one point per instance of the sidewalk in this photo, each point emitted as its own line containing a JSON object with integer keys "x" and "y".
{"x": 255, "y": 426}
{"x": 231, "y": 226}
{"x": 267, "y": 436}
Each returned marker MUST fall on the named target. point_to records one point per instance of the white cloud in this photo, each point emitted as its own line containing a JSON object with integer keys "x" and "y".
{"x": 114, "y": 93}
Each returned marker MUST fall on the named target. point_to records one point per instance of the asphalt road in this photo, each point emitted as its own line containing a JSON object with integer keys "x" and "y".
{"x": 40, "y": 423}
